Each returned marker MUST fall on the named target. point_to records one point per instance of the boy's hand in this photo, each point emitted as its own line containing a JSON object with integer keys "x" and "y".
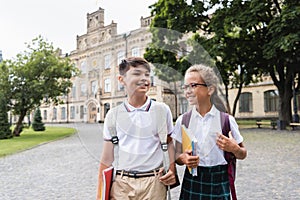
{"x": 168, "y": 178}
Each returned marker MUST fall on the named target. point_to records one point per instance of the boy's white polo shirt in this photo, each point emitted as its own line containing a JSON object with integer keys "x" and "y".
{"x": 139, "y": 143}
{"x": 206, "y": 131}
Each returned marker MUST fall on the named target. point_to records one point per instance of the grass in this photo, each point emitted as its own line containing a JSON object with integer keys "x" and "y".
{"x": 30, "y": 138}
{"x": 246, "y": 123}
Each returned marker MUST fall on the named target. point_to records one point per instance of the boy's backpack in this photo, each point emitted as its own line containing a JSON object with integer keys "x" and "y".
{"x": 230, "y": 158}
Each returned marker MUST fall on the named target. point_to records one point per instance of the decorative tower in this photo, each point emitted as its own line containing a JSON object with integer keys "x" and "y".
{"x": 95, "y": 20}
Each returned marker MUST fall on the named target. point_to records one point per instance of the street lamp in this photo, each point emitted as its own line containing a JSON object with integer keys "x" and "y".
{"x": 295, "y": 107}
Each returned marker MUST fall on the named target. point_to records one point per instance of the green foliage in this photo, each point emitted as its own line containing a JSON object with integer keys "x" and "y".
{"x": 37, "y": 124}
{"x": 244, "y": 38}
{"x": 5, "y": 131}
{"x": 37, "y": 74}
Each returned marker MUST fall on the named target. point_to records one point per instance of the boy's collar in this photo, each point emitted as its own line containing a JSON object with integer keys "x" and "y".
{"x": 144, "y": 107}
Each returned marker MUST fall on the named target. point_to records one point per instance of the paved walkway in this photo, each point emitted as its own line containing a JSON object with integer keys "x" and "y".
{"x": 67, "y": 169}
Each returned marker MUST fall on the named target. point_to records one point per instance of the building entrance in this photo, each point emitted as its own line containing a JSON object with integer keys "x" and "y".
{"x": 92, "y": 109}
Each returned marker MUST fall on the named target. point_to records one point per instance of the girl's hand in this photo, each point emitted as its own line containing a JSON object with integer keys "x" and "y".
{"x": 189, "y": 160}
{"x": 227, "y": 143}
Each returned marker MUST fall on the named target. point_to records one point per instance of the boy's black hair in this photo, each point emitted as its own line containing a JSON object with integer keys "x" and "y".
{"x": 134, "y": 62}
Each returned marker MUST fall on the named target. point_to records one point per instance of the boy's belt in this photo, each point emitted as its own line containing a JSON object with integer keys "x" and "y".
{"x": 136, "y": 174}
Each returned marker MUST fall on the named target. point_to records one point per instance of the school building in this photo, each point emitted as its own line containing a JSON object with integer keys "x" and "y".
{"x": 96, "y": 89}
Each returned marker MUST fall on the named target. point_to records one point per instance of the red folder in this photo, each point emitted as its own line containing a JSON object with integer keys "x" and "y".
{"x": 107, "y": 178}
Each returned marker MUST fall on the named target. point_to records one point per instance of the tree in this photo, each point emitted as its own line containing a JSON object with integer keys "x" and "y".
{"x": 167, "y": 29}
{"x": 246, "y": 39}
{"x": 271, "y": 29}
{"x": 37, "y": 123}
{"x": 5, "y": 131}
{"x": 206, "y": 49}
{"x": 37, "y": 74}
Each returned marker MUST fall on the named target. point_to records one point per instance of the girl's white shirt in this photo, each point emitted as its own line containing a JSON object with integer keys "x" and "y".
{"x": 206, "y": 130}
{"x": 137, "y": 130}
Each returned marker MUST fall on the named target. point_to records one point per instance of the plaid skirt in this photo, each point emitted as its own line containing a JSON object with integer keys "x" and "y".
{"x": 211, "y": 184}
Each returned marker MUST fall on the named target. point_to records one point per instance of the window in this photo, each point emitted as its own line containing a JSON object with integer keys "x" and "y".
{"x": 107, "y": 62}
{"x": 120, "y": 86}
{"x": 73, "y": 91}
{"x": 63, "y": 113}
{"x": 135, "y": 52}
{"x": 81, "y": 112}
{"x": 83, "y": 67}
{"x": 121, "y": 55}
{"x": 152, "y": 78}
{"x": 83, "y": 91}
{"x": 72, "y": 112}
{"x": 271, "y": 99}
{"x": 94, "y": 87}
{"x": 107, "y": 85}
{"x": 45, "y": 115}
{"x": 54, "y": 114}
{"x": 298, "y": 101}
{"x": 245, "y": 102}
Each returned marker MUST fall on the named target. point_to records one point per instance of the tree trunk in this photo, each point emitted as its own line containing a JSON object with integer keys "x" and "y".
{"x": 237, "y": 98}
{"x": 285, "y": 97}
{"x": 285, "y": 108}
{"x": 19, "y": 126}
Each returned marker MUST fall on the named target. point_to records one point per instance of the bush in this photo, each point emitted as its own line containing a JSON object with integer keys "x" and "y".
{"x": 5, "y": 131}
{"x": 37, "y": 124}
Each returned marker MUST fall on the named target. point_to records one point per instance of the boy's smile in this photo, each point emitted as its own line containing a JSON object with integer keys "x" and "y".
{"x": 136, "y": 80}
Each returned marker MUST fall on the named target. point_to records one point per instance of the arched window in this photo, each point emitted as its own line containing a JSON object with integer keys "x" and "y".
{"x": 83, "y": 67}
{"x": 63, "y": 113}
{"x": 245, "y": 102}
{"x": 81, "y": 112}
{"x": 54, "y": 114}
{"x": 107, "y": 62}
{"x": 72, "y": 112}
{"x": 121, "y": 55}
{"x": 135, "y": 51}
{"x": 107, "y": 85}
{"x": 271, "y": 99}
{"x": 45, "y": 115}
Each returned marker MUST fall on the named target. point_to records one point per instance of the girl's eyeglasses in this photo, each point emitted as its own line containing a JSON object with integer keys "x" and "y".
{"x": 192, "y": 85}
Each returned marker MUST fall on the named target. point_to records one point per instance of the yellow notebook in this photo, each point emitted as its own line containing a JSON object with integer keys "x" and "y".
{"x": 189, "y": 142}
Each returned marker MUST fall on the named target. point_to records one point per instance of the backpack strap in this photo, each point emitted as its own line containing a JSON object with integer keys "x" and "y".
{"x": 162, "y": 128}
{"x": 229, "y": 157}
{"x": 114, "y": 138}
{"x": 185, "y": 121}
{"x": 186, "y": 118}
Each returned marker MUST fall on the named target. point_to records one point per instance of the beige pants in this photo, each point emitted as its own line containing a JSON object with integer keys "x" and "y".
{"x": 148, "y": 188}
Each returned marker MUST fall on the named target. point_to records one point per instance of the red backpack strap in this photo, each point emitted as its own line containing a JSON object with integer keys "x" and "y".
{"x": 186, "y": 118}
{"x": 230, "y": 158}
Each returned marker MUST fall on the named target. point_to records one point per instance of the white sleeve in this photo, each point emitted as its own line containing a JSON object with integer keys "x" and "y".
{"x": 235, "y": 130}
{"x": 169, "y": 121}
{"x": 106, "y": 133}
{"x": 176, "y": 135}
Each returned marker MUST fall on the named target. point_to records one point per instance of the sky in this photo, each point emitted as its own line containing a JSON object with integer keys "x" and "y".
{"x": 60, "y": 21}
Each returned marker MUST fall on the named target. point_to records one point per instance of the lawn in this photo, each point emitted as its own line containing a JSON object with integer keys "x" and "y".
{"x": 30, "y": 138}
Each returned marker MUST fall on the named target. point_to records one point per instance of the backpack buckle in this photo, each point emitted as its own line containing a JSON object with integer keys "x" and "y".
{"x": 114, "y": 139}
{"x": 164, "y": 146}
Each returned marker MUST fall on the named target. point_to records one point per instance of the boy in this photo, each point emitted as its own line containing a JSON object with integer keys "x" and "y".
{"x": 138, "y": 156}
{"x": 211, "y": 182}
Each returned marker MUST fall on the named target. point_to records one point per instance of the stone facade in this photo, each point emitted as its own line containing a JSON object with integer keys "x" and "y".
{"x": 97, "y": 55}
